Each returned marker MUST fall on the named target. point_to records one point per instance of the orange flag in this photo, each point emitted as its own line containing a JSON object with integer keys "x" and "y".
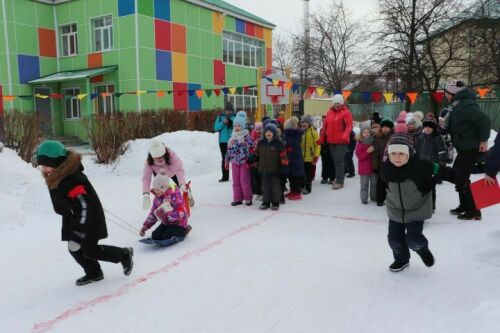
{"x": 288, "y": 85}
{"x": 8, "y": 98}
{"x": 160, "y": 93}
{"x": 199, "y": 93}
{"x": 483, "y": 91}
{"x": 346, "y": 94}
{"x": 412, "y": 96}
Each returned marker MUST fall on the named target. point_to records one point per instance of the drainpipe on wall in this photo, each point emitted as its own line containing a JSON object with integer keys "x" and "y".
{"x": 7, "y": 50}
{"x": 137, "y": 72}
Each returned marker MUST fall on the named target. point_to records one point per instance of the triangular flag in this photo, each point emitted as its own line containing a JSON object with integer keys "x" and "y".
{"x": 118, "y": 95}
{"x": 232, "y": 90}
{"x": 217, "y": 92}
{"x": 191, "y": 93}
{"x": 225, "y": 90}
{"x": 25, "y": 96}
{"x": 288, "y": 85}
{"x": 438, "y": 96}
{"x": 8, "y": 98}
{"x": 180, "y": 92}
{"x": 412, "y": 96}
{"x": 160, "y": 93}
{"x": 246, "y": 89}
{"x": 44, "y": 96}
{"x": 93, "y": 95}
{"x": 295, "y": 87}
{"x": 199, "y": 93}
{"x": 376, "y": 97}
{"x": 209, "y": 92}
{"x": 269, "y": 79}
{"x": 281, "y": 83}
{"x": 106, "y": 94}
{"x": 80, "y": 96}
{"x": 276, "y": 82}
{"x": 366, "y": 96}
{"x": 56, "y": 96}
{"x": 483, "y": 91}
{"x": 311, "y": 90}
{"x": 320, "y": 91}
{"x": 140, "y": 92}
{"x": 239, "y": 90}
{"x": 346, "y": 94}
{"x": 169, "y": 92}
{"x": 388, "y": 97}
{"x": 338, "y": 92}
{"x": 401, "y": 96}
{"x": 151, "y": 91}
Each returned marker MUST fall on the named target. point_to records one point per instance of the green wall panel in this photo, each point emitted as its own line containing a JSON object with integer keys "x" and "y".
{"x": 193, "y": 15}
{"x": 110, "y": 58}
{"x": 165, "y": 102}
{"x": 126, "y": 34}
{"x": 77, "y": 11}
{"x": 207, "y": 49}
{"x": 147, "y": 66}
{"x": 80, "y": 62}
{"x": 63, "y": 13}
{"x": 194, "y": 68}
{"x": 128, "y": 102}
{"x": 205, "y": 19}
{"x": 93, "y": 9}
{"x": 207, "y": 72}
{"x": 110, "y": 6}
{"x": 126, "y": 65}
{"x": 27, "y": 38}
{"x": 148, "y": 101}
{"x": 145, "y": 7}
{"x": 23, "y": 13}
{"x": 45, "y": 16}
{"x": 229, "y": 23}
{"x": 178, "y": 11}
{"x": 47, "y": 66}
{"x": 193, "y": 41}
{"x": 14, "y": 71}
{"x": 146, "y": 32}
{"x": 217, "y": 46}
{"x": 83, "y": 39}
{"x": 212, "y": 102}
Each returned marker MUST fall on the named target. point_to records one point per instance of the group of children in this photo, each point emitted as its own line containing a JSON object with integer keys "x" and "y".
{"x": 264, "y": 159}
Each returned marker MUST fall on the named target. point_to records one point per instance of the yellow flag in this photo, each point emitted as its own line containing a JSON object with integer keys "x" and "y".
{"x": 140, "y": 92}
{"x": 320, "y": 91}
{"x": 276, "y": 82}
{"x": 232, "y": 90}
{"x": 81, "y": 96}
{"x": 41, "y": 96}
{"x": 388, "y": 97}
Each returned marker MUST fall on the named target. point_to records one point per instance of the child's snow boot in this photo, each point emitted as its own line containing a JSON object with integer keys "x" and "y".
{"x": 88, "y": 279}
{"x": 264, "y": 206}
{"x": 128, "y": 262}
{"x": 426, "y": 256}
{"x": 294, "y": 196}
{"x": 470, "y": 215}
{"x": 398, "y": 266}
{"x": 236, "y": 203}
{"x": 275, "y": 206}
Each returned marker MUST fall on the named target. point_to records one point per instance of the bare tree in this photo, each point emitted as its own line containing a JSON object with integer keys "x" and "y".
{"x": 285, "y": 54}
{"x": 406, "y": 42}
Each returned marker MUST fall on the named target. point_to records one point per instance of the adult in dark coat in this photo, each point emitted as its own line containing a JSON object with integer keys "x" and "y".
{"x": 224, "y": 126}
{"x": 83, "y": 221}
{"x": 493, "y": 162}
{"x": 469, "y": 128}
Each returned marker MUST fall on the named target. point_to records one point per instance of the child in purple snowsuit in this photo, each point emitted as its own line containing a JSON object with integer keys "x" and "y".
{"x": 169, "y": 208}
{"x": 239, "y": 148}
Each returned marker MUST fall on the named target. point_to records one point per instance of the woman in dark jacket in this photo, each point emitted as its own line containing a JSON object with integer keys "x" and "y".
{"x": 83, "y": 221}
{"x": 293, "y": 137}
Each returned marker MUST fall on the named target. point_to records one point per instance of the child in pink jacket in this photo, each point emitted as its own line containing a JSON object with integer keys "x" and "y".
{"x": 169, "y": 208}
{"x": 368, "y": 179}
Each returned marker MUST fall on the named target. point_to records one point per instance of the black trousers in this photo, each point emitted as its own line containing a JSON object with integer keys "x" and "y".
{"x": 405, "y": 236}
{"x": 296, "y": 184}
{"x": 256, "y": 181}
{"x": 90, "y": 253}
{"x": 465, "y": 163}
{"x": 167, "y": 231}
{"x": 381, "y": 190}
{"x": 309, "y": 175}
{"x": 223, "y": 150}
{"x": 271, "y": 189}
{"x": 327, "y": 170}
{"x": 348, "y": 163}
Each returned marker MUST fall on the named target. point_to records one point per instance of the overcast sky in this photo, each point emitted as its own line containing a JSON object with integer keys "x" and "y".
{"x": 288, "y": 14}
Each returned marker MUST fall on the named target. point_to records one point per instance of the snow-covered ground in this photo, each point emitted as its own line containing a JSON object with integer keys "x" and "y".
{"x": 318, "y": 265}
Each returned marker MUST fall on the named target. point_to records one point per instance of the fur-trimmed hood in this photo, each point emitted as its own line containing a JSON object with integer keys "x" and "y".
{"x": 71, "y": 165}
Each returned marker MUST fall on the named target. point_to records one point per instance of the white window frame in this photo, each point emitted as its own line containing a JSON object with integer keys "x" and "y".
{"x": 232, "y": 41}
{"x": 68, "y": 36}
{"x": 240, "y": 101}
{"x": 108, "y": 101}
{"x": 104, "y": 31}
{"x": 75, "y": 114}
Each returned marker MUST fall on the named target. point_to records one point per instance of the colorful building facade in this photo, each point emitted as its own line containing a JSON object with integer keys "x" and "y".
{"x": 69, "y": 59}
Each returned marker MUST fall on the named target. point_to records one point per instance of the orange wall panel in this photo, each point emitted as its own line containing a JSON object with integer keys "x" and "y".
{"x": 178, "y": 38}
{"x": 259, "y": 32}
{"x": 94, "y": 60}
{"x": 47, "y": 42}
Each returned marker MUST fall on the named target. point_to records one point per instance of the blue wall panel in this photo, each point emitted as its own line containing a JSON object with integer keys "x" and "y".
{"x": 125, "y": 7}
{"x": 163, "y": 65}
{"x": 162, "y": 9}
{"x": 194, "y": 101}
{"x": 29, "y": 67}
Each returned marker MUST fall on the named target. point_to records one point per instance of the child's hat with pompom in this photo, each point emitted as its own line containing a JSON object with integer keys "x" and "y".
{"x": 240, "y": 119}
{"x": 161, "y": 181}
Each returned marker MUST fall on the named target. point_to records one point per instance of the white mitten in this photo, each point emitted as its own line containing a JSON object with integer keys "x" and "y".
{"x": 146, "y": 202}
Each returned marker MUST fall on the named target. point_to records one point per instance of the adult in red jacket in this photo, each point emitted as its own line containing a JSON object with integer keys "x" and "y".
{"x": 337, "y": 130}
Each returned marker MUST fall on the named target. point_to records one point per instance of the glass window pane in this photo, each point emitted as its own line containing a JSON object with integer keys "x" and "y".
{"x": 259, "y": 57}
{"x": 238, "y": 54}
{"x": 65, "y": 45}
{"x": 105, "y": 44}
{"x": 108, "y": 20}
{"x": 230, "y": 58}
{"x": 246, "y": 55}
{"x": 224, "y": 50}
{"x": 110, "y": 37}
{"x": 72, "y": 44}
{"x": 73, "y": 28}
{"x": 65, "y": 29}
{"x": 67, "y": 106}
{"x": 97, "y": 36}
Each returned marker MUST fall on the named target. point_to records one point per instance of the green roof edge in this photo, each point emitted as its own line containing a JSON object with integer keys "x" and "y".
{"x": 235, "y": 10}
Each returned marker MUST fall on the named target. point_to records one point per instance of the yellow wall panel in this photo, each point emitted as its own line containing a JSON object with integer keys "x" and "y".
{"x": 217, "y": 22}
{"x": 179, "y": 67}
{"x": 268, "y": 37}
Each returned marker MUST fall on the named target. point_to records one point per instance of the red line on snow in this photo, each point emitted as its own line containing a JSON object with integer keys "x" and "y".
{"x": 47, "y": 325}
{"x": 298, "y": 212}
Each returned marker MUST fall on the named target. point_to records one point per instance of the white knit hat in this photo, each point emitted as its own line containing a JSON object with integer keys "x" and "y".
{"x": 454, "y": 87}
{"x": 161, "y": 181}
{"x": 157, "y": 149}
{"x": 338, "y": 99}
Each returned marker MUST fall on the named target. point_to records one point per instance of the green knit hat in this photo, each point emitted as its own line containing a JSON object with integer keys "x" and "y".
{"x": 51, "y": 153}
{"x": 387, "y": 122}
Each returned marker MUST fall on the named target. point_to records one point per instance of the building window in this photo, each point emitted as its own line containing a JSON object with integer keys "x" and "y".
{"x": 69, "y": 40}
{"x": 72, "y": 103}
{"x": 105, "y": 101}
{"x": 246, "y": 102}
{"x": 242, "y": 50}
{"x": 102, "y": 35}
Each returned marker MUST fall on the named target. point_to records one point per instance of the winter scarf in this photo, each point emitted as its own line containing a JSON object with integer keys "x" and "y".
{"x": 238, "y": 137}
{"x": 417, "y": 170}
{"x": 71, "y": 164}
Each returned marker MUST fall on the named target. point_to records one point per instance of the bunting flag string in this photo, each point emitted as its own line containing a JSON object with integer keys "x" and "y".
{"x": 438, "y": 96}
{"x": 376, "y": 97}
{"x": 346, "y": 94}
{"x": 199, "y": 93}
{"x": 232, "y": 90}
{"x": 483, "y": 91}
{"x": 160, "y": 93}
{"x": 401, "y": 96}
{"x": 412, "y": 96}
{"x": 81, "y": 96}
{"x": 320, "y": 91}
{"x": 388, "y": 97}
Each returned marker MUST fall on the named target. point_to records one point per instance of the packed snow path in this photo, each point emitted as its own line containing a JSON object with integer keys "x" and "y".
{"x": 318, "y": 265}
